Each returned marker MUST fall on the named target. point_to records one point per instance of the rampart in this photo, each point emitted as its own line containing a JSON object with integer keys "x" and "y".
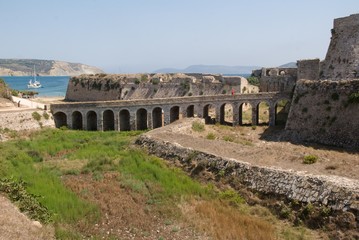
{"x": 103, "y": 87}
{"x": 326, "y": 112}
{"x": 276, "y": 79}
{"x": 334, "y": 192}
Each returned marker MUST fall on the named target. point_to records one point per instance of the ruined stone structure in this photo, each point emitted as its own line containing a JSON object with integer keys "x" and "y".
{"x": 104, "y": 87}
{"x": 342, "y": 59}
{"x": 152, "y": 113}
{"x": 338, "y": 193}
{"x": 276, "y": 79}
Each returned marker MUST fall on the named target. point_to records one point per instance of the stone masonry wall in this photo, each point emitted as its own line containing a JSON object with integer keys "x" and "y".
{"x": 322, "y": 112}
{"x": 342, "y": 59}
{"x": 334, "y": 192}
{"x": 308, "y": 69}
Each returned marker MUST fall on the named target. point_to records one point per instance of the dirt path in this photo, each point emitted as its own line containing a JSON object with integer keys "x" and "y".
{"x": 15, "y": 225}
{"x": 262, "y": 147}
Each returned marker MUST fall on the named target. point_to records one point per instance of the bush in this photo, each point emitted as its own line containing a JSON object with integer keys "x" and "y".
{"x": 253, "y": 81}
{"x": 197, "y": 126}
{"x": 310, "y": 159}
{"x": 36, "y": 116}
{"x": 211, "y": 136}
{"x": 354, "y": 98}
{"x": 335, "y": 96}
{"x": 46, "y": 115}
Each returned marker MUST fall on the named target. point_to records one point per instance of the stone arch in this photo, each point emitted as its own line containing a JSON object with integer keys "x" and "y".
{"x": 190, "y": 111}
{"x": 263, "y": 109}
{"x": 108, "y": 120}
{"x": 282, "y": 107}
{"x": 91, "y": 117}
{"x": 157, "y": 117}
{"x": 125, "y": 124}
{"x": 77, "y": 120}
{"x": 245, "y": 113}
{"x": 141, "y": 119}
{"x": 60, "y": 119}
{"x": 209, "y": 114}
{"x": 174, "y": 113}
{"x": 226, "y": 114}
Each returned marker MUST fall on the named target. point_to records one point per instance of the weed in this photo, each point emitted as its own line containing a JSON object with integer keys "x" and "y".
{"x": 211, "y": 136}
{"x": 335, "y": 96}
{"x": 331, "y": 167}
{"x": 197, "y": 126}
{"x": 36, "y": 116}
{"x": 353, "y": 98}
{"x": 254, "y": 127}
{"x": 304, "y": 110}
{"x": 310, "y": 159}
{"x": 228, "y": 138}
{"x": 46, "y": 115}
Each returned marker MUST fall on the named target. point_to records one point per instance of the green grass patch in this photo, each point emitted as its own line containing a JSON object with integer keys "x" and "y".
{"x": 211, "y": 136}
{"x": 310, "y": 159}
{"x": 197, "y": 126}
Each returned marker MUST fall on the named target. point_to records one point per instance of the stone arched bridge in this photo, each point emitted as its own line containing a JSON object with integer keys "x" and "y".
{"x": 124, "y": 115}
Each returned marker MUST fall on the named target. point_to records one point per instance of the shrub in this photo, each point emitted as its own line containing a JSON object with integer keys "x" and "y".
{"x": 253, "y": 81}
{"x": 310, "y": 159}
{"x": 137, "y": 81}
{"x": 36, "y": 116}
{"x": 304, "y": 110}
{"x": 211, "y": 136}
{"x": 197, "y": 126}
{"x": 46, "y": 115}
{"x": 354, "y": 98}
{"x": 224, "y": 91}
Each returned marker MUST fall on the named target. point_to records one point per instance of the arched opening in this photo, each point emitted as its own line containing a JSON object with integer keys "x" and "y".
{"x": 91, "y": 121}
{"x": 281, "y": 112}
{"x": 141, "y": 119}
{"x": 226, "y": 114}
{"x": 157, "y": 119}
{"x": 245, "y": 114}
{"x": 263, "y": 113}
{"x": 190, "y": 111}
{"x": 108, "y": 120}
{"x": 125, "y": 124}
{"x": 174, "y": 113}
{"x": 209, "y": 114}
{"x": 60, "y": 119}
{"x": 77, "y": 120}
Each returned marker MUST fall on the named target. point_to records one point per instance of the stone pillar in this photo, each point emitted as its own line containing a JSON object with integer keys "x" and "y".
{"x": 84, "y": 121}
{"x": 235, "y": 112}
{"x": 133, "y": 120}
{"x": 166, "y": 116}
{"x": 69, "y": 120}
{"x": 183, "y": 112}
{"x": 149, "y": 120}
{"x": 198, "y": 108}
{"x": 99, "y": 121}
{"x": 218, "y": 113}
{"x": 272, "y": 115}
{"x": 254, "y": 114}
{"x": 116, "y": 119}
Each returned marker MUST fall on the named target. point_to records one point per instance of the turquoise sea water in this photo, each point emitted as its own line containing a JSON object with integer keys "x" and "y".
{"x": 51, "y": 86}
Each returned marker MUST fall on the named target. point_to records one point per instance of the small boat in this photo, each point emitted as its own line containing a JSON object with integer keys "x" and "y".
{"x": 33, "y": 83}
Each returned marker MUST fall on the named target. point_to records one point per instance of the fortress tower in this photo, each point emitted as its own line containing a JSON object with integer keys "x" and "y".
{"x": 342, "y": 59}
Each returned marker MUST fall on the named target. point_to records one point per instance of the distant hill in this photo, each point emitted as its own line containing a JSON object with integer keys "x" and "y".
{"x": 24, "y": 67}
{"x": 212, "y": 69}
{"x": 289, "y": 65}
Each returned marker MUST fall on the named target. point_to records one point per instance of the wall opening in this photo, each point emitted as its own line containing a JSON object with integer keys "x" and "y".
{"x": 281, "y": 112}
{"x": 190, "y": 111}
{"x": 245, "y": 114}
{"x": 125, "y": 124}
{"x": 91, "y": 121}
{"x": 226, "y": 114}
{"x": 77, "y": 120}
{"x": 60, "y": 119}
{"x": 141, "y": 119}
{"x": 263, "y": 113}
{"x": 108, "y": 120}
{"x": 157, "y": 117}
{"x": 174, "y": 113}
{"x": 209, "y": 114}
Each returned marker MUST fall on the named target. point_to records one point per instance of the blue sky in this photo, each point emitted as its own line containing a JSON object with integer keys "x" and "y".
{"x": 144, "y": 35}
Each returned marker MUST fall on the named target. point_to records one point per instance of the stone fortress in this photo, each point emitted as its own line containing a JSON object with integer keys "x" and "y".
{"x": 322, "y": 108}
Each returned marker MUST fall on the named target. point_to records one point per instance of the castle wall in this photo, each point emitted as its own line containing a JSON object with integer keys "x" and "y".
{"x": 276, "y": 79}
{"x": 342, "y": 59}
{"x": 308, "y": 69}
{"x": 322, "y": 112}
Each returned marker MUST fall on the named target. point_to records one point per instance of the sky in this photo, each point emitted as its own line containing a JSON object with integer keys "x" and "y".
{"x": 126, "y": 36}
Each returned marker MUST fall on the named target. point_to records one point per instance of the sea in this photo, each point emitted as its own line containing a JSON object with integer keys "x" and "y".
{"x": 52, "y": 86}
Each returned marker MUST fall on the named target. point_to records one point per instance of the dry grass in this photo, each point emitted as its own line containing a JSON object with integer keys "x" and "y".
{"x": 220, "y": 221}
